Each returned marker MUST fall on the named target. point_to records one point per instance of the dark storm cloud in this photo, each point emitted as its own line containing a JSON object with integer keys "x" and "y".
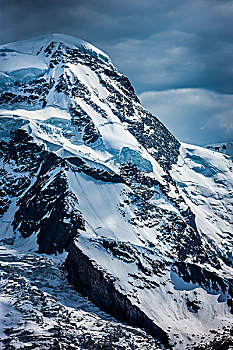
{"x": 159, "y": 45}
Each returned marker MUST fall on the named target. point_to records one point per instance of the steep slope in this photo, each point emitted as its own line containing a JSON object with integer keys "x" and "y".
{"x": 146, "y": 222}
{"x": 39, "y": 309}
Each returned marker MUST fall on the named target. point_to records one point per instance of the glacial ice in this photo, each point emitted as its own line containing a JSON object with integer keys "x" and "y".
{"x": 26, "y": 75}
{"x": 9, "y": 125}
{"x": 128, "y": 155}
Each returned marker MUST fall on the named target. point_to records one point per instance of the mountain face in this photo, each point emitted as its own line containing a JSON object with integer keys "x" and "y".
{"x": 95, "y": 191}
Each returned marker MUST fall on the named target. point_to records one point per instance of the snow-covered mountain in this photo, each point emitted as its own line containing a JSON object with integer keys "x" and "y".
{"x": 141, "y": 224}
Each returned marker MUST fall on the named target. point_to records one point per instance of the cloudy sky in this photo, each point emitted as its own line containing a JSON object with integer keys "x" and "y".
{"x": 177, "y": 53}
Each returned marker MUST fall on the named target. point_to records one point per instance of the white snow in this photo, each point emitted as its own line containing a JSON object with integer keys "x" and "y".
{"x": 205, "y": 179}
{"x": 15, "y": 61}
{"x": 32, "y": 46}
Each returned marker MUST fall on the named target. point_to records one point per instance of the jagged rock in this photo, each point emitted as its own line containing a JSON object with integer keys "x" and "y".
{"x": 91, "y": 282}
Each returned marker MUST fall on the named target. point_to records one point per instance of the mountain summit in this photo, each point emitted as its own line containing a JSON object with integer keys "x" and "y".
{"x": 89, "y": 179}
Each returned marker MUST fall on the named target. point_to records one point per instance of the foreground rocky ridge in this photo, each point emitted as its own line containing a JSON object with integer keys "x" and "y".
{"x": 40, "y": 310}
{"x": 147, "y": 223}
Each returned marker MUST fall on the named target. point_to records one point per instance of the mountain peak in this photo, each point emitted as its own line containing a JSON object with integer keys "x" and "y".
{"x": 32, "y": 46}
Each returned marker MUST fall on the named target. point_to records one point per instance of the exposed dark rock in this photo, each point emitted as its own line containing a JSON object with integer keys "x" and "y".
{"x": 47, "y": 208}
{"x": 192, "y": 273}
{"x": 90, "y": 281}
{"x": 51, "y": 212}
{"x": 220, "y": 342}
{"x": 84, "y": 124}
{"x": 98, "y": 174}
{"x": 179, "y": 230}
{"x": 193, "y": 305}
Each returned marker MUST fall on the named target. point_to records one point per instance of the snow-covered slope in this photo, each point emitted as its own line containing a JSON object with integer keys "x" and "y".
{"x": 205, "y": 178}
{"x": 146, "y": 223}
{"x": 223, "y": 147}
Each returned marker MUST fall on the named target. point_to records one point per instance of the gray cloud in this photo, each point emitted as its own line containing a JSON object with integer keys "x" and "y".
{"x": 193, "y": 115}
{"x": 159, "y": 45}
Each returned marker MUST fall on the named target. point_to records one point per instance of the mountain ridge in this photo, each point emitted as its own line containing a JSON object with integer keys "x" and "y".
{"x": 34, "y": 45}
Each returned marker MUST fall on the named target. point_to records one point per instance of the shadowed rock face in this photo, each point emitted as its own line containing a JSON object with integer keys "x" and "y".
{"x": 34, "y": 299}
{"x": 46, "y": 206}
{"x": 195, "y": 274}
{"x": 90, "y": 281}
{"x": 56, "y": 222}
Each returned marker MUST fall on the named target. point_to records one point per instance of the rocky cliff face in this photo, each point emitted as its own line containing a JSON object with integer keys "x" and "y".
{"x": 142, "y": 223}
{"x": 92, "y": 282}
